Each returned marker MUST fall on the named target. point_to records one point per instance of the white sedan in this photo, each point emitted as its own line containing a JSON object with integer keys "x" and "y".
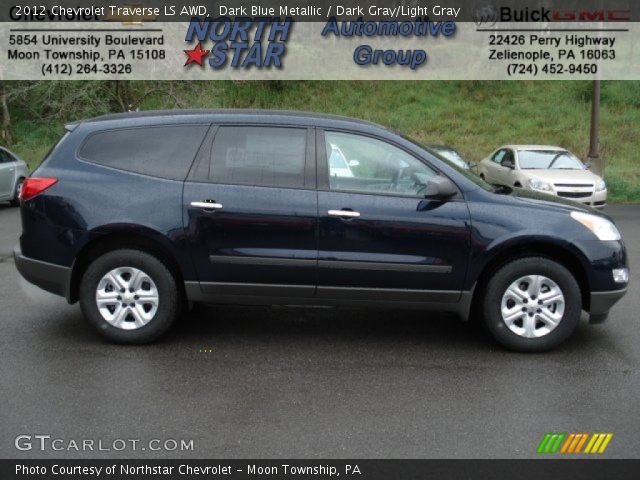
{"x": 547, "y": 169}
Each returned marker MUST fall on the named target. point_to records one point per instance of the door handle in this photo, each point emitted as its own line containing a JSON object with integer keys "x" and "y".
{"x": 344, "y": 213}
{"x": 207, "y": 205}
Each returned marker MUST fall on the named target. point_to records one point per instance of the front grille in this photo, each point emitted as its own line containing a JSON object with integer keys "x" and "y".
{"x": 574, "y": 185}
{"x": 574, "y": 194}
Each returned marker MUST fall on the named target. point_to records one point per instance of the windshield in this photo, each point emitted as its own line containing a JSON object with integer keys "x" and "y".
{"x": 337, "y": 160}
{"x": 548, "y": 159}
{"x": 453, "y": 157}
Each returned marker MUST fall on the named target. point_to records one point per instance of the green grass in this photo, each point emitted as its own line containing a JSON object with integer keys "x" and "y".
{"x": 474, "y": 117}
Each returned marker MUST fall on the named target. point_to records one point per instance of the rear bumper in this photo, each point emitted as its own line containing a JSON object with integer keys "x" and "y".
{"x": 601, "y": 303}
{"x": 48, "y": 276}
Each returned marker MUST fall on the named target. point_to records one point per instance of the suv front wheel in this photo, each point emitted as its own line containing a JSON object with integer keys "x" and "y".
{"x": 129, "y": 296}
{"x": 532, "y": 304}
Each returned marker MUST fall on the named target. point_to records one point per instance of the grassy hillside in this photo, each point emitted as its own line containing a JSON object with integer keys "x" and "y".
{"x": 474, "y": 117}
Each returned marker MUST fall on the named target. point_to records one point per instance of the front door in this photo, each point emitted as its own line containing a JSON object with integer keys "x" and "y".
{"x": 250, "y": 212}
{"x": 380, "y": 238}
{"x": 7, "y": 174}
{"x": 505, "y": 174}
{"x": 494, "y": 167}
{"x": 498, "y": 173}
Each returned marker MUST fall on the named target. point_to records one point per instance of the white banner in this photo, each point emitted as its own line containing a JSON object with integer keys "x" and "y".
{"x": 352, "y": 50}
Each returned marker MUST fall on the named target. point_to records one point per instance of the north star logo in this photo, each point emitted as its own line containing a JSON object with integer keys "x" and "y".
{"x": 240, "y": 43}
{"x": 195, "y": 55}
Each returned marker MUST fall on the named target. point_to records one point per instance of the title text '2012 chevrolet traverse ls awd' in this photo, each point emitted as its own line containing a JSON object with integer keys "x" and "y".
{"x": 134, "y": 215}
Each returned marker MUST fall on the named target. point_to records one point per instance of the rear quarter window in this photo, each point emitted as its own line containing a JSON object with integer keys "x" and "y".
{"x": 158, "y": 151}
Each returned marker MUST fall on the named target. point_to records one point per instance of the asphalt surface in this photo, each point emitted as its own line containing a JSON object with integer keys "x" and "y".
{"x": 307, "y": 383}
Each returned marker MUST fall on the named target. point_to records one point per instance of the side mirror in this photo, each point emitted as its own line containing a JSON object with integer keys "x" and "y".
{"x": 440, "y": 187}
{"x": 508, "y": 163}
{"x": 588, "y": 165}
{"x": 354, "y": 163}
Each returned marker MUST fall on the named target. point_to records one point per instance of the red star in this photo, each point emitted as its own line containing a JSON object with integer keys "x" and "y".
{"x": 195, "y": 55}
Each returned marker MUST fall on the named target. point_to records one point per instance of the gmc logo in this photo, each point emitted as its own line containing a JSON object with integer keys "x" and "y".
{"x": 591, "y": 15}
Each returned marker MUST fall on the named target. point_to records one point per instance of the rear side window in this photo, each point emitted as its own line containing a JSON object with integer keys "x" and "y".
{"x": 165, "y": 152}
{"x": 261, "y": 156}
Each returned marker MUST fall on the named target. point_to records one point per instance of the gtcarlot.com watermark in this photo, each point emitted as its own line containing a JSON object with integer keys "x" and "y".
{"x": 50, "y": 443}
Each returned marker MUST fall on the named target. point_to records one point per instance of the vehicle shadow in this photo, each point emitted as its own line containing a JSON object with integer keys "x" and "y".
{"x": 314, "y": 331}
{"x": 385, "y": 329}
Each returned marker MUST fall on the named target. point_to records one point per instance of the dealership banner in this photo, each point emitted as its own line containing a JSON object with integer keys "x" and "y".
{"x": 317, "y": 469}
{"x": 324, "y": 40}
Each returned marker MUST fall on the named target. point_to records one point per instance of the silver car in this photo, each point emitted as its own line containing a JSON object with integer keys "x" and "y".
{"x": 13, "y": 171}
{"x": 546, "y": 169}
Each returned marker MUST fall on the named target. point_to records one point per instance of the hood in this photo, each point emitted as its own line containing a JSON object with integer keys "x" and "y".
{"x": 542, "y": 200}
{"x": 562, "y": 176}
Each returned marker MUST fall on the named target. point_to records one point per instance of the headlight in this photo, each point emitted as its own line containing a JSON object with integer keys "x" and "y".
{"x": 540, "y": 185}
{"x": 600, "y": 186}
{"x": 601, "y": 227}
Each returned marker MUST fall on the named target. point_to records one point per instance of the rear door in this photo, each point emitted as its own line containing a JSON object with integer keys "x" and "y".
{"x": 380, "y": 238}
{"x": 250, "y": 211}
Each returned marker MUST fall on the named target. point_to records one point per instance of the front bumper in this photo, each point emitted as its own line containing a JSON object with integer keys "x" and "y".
{"x": 48, "y": 276}
{"x": 601, "y": 303}
{"x": 586, "y": 196}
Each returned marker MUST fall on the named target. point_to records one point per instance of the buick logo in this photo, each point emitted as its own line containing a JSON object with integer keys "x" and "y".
{"x": 485, "y": 15}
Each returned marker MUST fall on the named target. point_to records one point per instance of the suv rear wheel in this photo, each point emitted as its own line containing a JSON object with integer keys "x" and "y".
{"x": 532, "y": 304}
{"x": 129, "y": 296}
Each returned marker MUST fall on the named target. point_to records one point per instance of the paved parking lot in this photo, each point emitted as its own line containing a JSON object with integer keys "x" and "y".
{"x": 311, "y": 383}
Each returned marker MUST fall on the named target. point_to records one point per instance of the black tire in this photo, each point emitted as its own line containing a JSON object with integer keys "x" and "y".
{"x": 511, "y": 272}
{"x": 169, "y": 301}
{"x": 15, "y": 201}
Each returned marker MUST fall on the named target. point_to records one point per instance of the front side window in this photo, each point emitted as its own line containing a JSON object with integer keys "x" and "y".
{"x": 260, "y": 156}
{"x": 6, "y": 157}
{"x": 499, "y": 156}
{"x": 164, "y": 151}
{"x": 363, "y": 164}
{"x": 508, "y": 156}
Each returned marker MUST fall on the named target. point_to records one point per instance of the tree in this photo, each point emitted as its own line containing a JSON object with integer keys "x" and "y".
{"x": 594, "y": 141}
{"x": 5, "y": 125}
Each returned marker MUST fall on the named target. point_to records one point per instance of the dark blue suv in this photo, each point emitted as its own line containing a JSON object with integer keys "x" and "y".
{"x": 137, "y": 215}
